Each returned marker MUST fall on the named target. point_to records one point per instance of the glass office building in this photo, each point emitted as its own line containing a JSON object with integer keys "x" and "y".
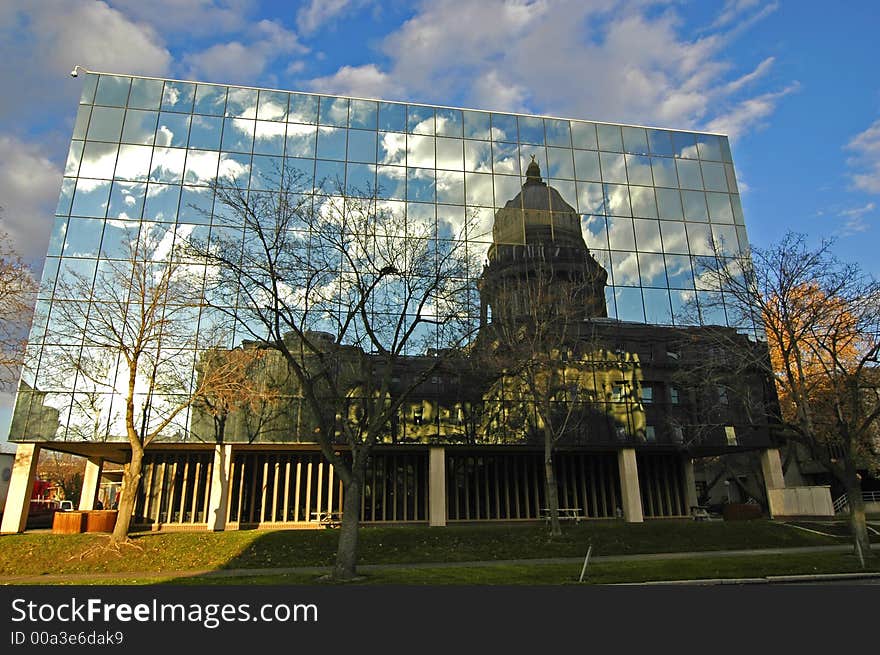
{"x": 145, "y": 154}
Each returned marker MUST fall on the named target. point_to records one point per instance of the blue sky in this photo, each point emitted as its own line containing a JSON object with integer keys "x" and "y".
{"x": 794, "y": 83}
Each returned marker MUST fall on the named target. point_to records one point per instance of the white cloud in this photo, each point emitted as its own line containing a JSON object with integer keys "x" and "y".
{"x": 614, "y": 60}
{"x": 29, "y": 186}
{"x": 244, "y": 60}
{"x": 361, "y": 81}
{"x": 866, "y": 159}
{"x": 319, "y": 13}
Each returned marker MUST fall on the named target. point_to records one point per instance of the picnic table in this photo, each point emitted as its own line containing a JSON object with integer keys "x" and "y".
{"x": 565, "y": 514}
{"x": 328, "y": 518}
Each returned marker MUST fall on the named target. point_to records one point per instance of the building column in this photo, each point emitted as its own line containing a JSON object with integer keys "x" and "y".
{"x": 219, "y": 498}
{"x": 629, "y": 486}
{"x": 91, "y": 482}
{"x": 690, "y": 485}
{"x": 437, "y": 487}
{"x": 771, "y": 467}
{"x": 21, "y": 487}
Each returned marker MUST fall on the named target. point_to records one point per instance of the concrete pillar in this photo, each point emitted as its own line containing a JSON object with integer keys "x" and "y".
{"x": 219, "y": 498}
{"x": 629, "y": 486}
{"x": 437, "y": 487}
{"x": 91, "y": 482}
{"x": 771, "y": 467}
{"x": 690, "y": 485}
{"x": 21, "y": 487}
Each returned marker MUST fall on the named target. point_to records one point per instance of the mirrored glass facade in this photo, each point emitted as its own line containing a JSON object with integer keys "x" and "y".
{"x": 145, "y": 153}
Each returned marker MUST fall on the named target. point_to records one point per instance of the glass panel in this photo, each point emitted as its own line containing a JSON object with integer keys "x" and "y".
{"x": 657, "y": 307}
{"x": 694, "y": 203}
{"x": 625, "y": 268}
{"x": 449, "y": 122}
{"x": 272, "y": 106}
{"x": 391, "y": 182}
{"x": 178, "y": 96}
{"x": 506, "y": 188}
{"x": 300, "y": 140}
{"x": 678, "y": 269}
{"x": 689, "y": 174}
{"x": 106, "y": 124}
{"x": 91, "y": 198}
{"x": 609, "y": 137}
{"x": 648, "y": 235}
{"x": 643, "y": 204}
{"x": 620, "y": 234}
{"x": 617, "y": 200}
{"x": 420, "y": 185}
{"x": 56, "y": 238}
{"x": 726, "y": 239}
{"x": 210, "y": 99}
{"x": 360, "y": 179}
{"x": 392, "y": 117}
{"x": 660, "y": 142}
{"x": 737, "y": 210}
{"x": 301, "y": 172}
{"x": 476, "y": 124}
{"x": 531, "y": 130}
{"x": 392, "y": 148}
{"x": 674, "y": 237}
{"x": 731, "y": 178}
{"x": 134, "y": 162}
{"x": 559, "y": 163}
{"x": 478, "y": 189}
{"x": 591, "y": 198}
{"x": 699, "y": 238}
{"x": 241, "y": 103}
{"x": 713, "y": 176}
{"x": 238, "y": 135}
{"x": 450, "y": 187}
{"x": 331, "y": 142}
{"x": 613, "y": 167}
{"x": 145, "y": 94}
{"x": 719, "y": 208}
{"x": 333, "y": 111}
{"x": 420, "y": 120}
{"x": 269, "y": 138}
{"x": 583, "y": 135}
{"x": 82, "y": 122}
{"x": 266, "y": 172}
{"x": 635, "y": 140}
{"x": 420, "y": 151}
{"x": 83, "y": 237}
{"x": 330, "y": 176}
{"x": 506, "y": 158}
{"x": 162, "y": 202}
{"x": 68, "y": 184}
{"x": 139, "y": 126}
{"x": 127, "y": 200}
{"x": 629, "y": 304}
{"x": 112, "y": 90}
{"x": 664, "y": 172}
{"x": 558, "y": 132}
{"x": 586, "y": 163}
{"x": 450, "y": 154}
{"x": 638, "y": 170}
{"x": 669, "y": 204}
{"x": 195, "y": 205}
{"x": 362, "y": 146}
{"x": 363, "y": 114}
{"x": 477, "y": 156}
{"x": 504, "y": 128}
{"x": 74, "y": 156}
{"x": 167, "y": 164}
{"x": 205, "y": 132}
{"x": 709, "y": 146}
{"x": 652, "y": 269}
{"x": 685, "y": 144}
{"x": 173, "y": 130}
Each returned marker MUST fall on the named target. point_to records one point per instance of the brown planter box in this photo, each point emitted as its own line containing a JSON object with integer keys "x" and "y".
{"x": 68, "y": 523}
{"x": 100, "y": 520}
{"x": 741, "y": 512}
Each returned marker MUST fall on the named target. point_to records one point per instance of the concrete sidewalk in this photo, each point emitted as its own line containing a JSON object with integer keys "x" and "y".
{"x": 79, "y": 578}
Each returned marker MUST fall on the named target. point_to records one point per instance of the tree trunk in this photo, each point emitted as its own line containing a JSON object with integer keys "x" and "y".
{"x": 131, "y": 476}
{"x": 858, "y": 525}
{"x": 346, "y": 552}
{"x": 552, "y": 493}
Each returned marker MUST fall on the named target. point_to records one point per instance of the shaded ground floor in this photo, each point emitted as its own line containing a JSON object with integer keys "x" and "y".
{"x": 237, "y": 486}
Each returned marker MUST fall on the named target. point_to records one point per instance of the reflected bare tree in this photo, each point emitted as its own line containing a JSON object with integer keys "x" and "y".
{"x": 343, "y": 287}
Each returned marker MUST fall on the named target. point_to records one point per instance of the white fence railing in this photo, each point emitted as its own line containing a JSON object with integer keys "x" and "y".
{"x": 841, "y": 504}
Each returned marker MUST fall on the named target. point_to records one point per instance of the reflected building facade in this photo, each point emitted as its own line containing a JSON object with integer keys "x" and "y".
{"x": 619, "y": 213}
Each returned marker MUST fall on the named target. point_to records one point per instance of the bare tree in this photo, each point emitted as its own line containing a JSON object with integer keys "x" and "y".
{"x": 821, "y": 319}
{"x": 17, "y": 294}
{"x": 345, "y": 288}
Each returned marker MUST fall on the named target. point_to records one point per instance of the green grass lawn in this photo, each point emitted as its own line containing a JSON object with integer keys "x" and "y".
{"x": 41, "y": 553}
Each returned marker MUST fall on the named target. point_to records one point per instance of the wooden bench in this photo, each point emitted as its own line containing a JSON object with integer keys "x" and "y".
{"x": 565, "y": 514}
